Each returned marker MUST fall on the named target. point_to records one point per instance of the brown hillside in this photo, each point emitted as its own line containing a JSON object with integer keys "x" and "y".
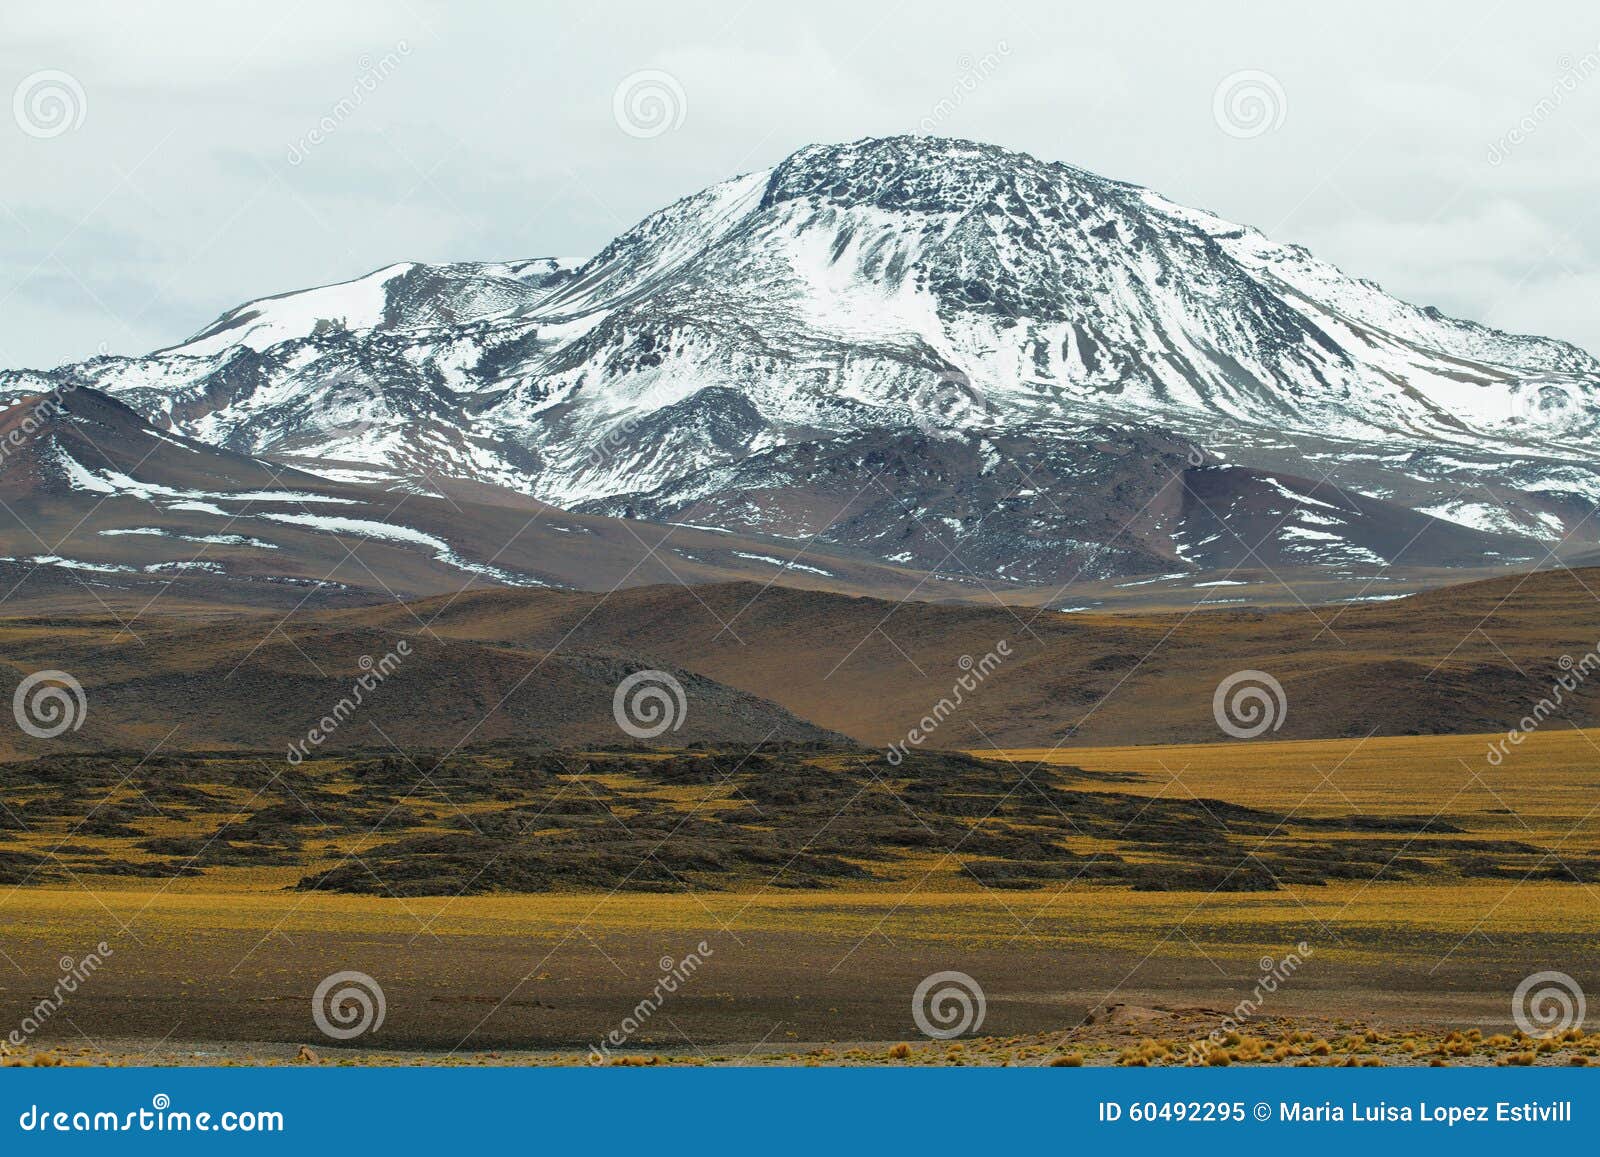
{"x": 1468, "y": 658}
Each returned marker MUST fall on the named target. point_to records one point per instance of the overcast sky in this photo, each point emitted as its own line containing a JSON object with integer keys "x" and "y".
{"x": 163, "y": 162}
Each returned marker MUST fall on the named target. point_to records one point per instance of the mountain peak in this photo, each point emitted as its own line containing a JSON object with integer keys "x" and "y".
{"x": 919, "y": 175}
{"x": 734, "y": 356}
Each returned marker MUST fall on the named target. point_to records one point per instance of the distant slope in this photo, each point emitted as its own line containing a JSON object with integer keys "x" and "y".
{"x": 1469, "y": 658}
{"x": 92, "y": 493}
{"x": 263, "y": 684}
{"x": 544, "y": 665}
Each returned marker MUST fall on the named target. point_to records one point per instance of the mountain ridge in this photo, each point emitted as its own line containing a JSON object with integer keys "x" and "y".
{"x": 127, "y": 514}
{"x": 853, "y": 293}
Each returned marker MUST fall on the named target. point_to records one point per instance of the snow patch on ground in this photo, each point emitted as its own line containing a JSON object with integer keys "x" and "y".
{"x": 789, "y": 565}
{"x": 214, "y": 539}
{"x": 390, "y": 532}
{"x": 76, "y": 564}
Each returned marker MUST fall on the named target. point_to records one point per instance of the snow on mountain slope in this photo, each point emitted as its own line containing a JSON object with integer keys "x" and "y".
{"x": 259, "y": 325}
{"x": 404, "y": 296}
{"x": 91, "y": 492}
{"x": 854, "y": 294}
{"x": 1053, "y": 292}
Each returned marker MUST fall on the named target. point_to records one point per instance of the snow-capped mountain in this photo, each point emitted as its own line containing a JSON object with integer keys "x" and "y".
{"x": 1044, "y": 369}
{"x": 398, "y": 297}
{"x": 99, "y": 506}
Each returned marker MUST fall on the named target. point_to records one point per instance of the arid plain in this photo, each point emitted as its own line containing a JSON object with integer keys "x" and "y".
{"x": 1463, "y": 878}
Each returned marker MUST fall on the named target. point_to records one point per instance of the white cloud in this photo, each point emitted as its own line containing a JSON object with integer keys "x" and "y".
{"x": 173, "y": 200}
{"x": 189, "y": 44}
{"x": 1501, "y": 231}
{"x": 1500, "y": 264}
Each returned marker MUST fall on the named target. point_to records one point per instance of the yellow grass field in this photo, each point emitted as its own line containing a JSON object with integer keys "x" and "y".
{"x": 1549, "y": 784}
{"x": 225, "y": 957}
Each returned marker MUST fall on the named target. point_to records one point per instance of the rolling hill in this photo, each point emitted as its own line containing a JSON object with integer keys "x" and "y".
{"x": 773, "y": 662}
{"x": 1467, "y": 658}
